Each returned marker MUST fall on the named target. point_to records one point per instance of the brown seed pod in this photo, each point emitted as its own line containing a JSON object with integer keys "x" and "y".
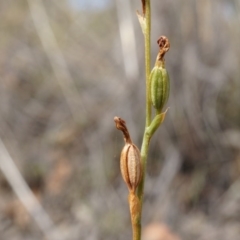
{"x": 130, "y": 164}
{"x": 130, "y": 160}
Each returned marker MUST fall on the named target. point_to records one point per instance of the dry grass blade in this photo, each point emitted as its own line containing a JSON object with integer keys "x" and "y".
{"x": 25, "y": 194}
{"x": 55, "y": 56}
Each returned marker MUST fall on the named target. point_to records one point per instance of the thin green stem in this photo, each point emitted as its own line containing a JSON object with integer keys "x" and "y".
{"x": 144, "y": 153}
{"x": 146, "y": 137}
{"x": 147, "y": 40}
{"x": 140, "y": 190}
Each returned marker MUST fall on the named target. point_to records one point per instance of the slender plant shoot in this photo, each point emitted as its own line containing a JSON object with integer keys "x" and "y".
{"x": 132, "y": 161}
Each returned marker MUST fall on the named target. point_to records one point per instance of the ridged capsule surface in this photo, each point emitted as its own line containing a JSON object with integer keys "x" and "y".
{"x": 130, "y": 165}
{"x": 160, "y": 87}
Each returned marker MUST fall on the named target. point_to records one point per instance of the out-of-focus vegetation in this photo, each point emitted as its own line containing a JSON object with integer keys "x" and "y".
{"x": 63, "y": 80}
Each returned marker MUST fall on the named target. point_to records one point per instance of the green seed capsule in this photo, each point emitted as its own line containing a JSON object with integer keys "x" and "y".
{"x": 160, "y": 87}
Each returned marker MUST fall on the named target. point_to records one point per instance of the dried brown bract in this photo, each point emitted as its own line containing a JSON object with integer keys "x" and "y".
{"x": 164, "y": 46}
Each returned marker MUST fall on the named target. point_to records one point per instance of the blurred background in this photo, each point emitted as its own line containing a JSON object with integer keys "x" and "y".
{"x": 67, "y": 68}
